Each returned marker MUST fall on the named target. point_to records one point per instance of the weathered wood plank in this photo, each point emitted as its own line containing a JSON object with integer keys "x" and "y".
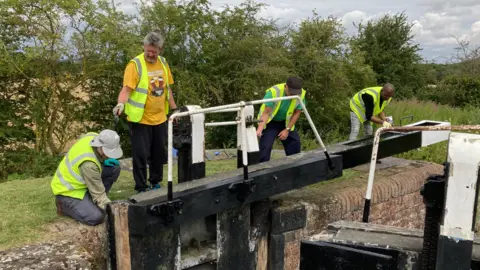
{"x": 276, "y": 252}
{"x": 233, "y": 235}
{"x": 119, "y": 242}
{"x": 260, "y": 226}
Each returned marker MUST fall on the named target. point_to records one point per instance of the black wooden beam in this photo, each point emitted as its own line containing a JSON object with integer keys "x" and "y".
{"x": 210, "y": 197}
{"x": 324, "y": 255}
{"x": 215, "y": 194}
{"x": 359, "y": 151}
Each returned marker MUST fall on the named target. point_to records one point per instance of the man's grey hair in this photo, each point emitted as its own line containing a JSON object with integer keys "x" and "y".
{"x": 388, "y": 87}
{"x": 155, "y": 39}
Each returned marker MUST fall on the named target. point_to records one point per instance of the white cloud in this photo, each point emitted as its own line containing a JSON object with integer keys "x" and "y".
{"x": 435, "y": 21}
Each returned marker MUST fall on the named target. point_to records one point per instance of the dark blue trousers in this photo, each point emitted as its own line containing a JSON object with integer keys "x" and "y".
{"x": 291, "y": 144}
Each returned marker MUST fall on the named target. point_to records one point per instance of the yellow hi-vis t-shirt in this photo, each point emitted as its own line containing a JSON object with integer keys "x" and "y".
{"x": 154, "y": 113}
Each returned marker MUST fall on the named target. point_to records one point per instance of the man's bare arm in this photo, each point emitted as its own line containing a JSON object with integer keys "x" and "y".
{"x": 294, "y": 119}
{"x": 171, "y": 100}
{"x": 124, "y": 94}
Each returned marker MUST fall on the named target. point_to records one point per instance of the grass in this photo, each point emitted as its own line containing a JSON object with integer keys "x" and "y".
{"x": 29, "y": 205}
{"x": 420, "y": 110}
{"x": 431, "y": 111}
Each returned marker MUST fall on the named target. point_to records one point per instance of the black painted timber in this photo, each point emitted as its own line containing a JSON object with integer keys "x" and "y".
{"x": 259, "y": 229}
{"x": 112, "y": 249}
{"x": 211, "y": 195}
{"x": 359, "y": 151}
{"x": 203, "y": 197}
{"x": 323, "y": 255}
{"x": 454, "y": 253}
{"x": 288, "y": 220}
{"x": 158, "y": 249}
{"x": 233, "y": 239}
{"x": 276, "y": 250}
{"x": 252, "y": 158}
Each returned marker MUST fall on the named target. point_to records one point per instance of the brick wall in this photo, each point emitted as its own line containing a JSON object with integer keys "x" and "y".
{"x": 396, "y": 201}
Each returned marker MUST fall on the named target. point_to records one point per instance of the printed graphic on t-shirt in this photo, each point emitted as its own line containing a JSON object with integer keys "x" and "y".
{"x": 156, "y": 82}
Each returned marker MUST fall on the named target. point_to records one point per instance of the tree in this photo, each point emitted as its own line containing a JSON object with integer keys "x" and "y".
{"x": 391, "y": 51}
{"x": 331, "y": 71}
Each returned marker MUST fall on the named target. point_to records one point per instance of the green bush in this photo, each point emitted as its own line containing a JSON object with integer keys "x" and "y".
{"x": 454, "y": 90}
{"x": 27, "y": 163}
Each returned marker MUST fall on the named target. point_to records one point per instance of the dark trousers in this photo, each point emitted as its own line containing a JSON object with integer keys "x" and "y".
{"x": 85, "y": 210}
{"x": 291, "y": 144}
{"x": 148, "y": 147}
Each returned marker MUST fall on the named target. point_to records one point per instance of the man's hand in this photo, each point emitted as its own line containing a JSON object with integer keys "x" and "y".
{"x": 386, "y": 124}
{"x": 283, "y": 135}
{"x": 117, "y": 110}
{"x": 172, "y": 112}
{"x": 259, "y": 132}
{"x": 110, "y": 162}
{"x": 175, "y": 121}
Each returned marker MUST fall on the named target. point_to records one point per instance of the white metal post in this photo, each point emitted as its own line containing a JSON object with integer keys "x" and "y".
{"x": 455, "y": 242}
{"x": 244, "y": 141}
{"x": 376, "y": 141}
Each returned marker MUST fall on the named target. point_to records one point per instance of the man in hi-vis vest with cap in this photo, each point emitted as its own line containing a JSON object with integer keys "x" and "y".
{"x": 85, "y": 175}
{"x": 146, "y": 98}
{"x": 368, "y": 106}
{"x": 278, "y": 118}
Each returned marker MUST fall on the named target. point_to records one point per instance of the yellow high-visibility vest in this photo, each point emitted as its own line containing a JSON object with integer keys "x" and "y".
{"x": 278, "y": 91}
{"x": 358, "y": 106}
{"x": 67, "y": 180}
{"x": 135, "y": 105}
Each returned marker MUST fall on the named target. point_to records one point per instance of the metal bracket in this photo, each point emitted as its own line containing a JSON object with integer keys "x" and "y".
{"x": 243, "y": 189}
{"x": 167, "y": 210}
{"x": 405, "y": 117}
{"x": 249, "y": 120}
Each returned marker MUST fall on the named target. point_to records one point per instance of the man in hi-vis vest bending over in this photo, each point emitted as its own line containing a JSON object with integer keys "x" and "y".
{"x": 146, "y": 97}
{"x": 278, "y": 118}
{"x": 85, "y": 175}
{"x": 368, "y": 106}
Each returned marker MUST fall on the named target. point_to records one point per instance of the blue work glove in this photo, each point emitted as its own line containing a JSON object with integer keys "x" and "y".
{"x": 110, "y": 162}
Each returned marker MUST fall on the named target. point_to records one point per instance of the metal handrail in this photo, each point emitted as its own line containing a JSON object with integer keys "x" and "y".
{"x": 231, "y": 107}
{"x": 376, "y": 142}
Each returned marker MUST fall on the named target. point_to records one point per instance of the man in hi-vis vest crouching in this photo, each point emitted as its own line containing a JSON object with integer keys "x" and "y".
{"x": 146, "y": 97}
{"x": 278, "y": 118}
{"x": 85, "y": 175}
{"x": 368, "y": 106}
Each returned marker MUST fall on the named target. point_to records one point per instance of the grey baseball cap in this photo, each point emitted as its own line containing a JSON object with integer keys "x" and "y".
{"x": 110, "y": 143}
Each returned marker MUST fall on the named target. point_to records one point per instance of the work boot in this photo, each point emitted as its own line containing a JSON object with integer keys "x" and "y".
{"x": 156, "y": 186}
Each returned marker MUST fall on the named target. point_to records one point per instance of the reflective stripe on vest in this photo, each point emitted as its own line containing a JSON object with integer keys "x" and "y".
{"x": 135, "y": 105}
{"x": 358, "y": 106}
{"x": 278, "y": 92}
{"x": 67, "y": 180}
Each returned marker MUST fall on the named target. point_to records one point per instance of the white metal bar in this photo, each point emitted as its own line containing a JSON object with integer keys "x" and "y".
{"x": 376, "y": 141}
{"x": 226, "y": 107}
{"x": 226, "y": 123}
{"x": 227, "y": 110}
{"x": 244, "y": 135}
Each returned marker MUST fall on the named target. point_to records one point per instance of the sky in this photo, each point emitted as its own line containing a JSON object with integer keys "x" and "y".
{"x": 437, "y": 23}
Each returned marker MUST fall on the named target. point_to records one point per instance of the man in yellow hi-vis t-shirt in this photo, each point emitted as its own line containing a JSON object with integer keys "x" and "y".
{"x": 147, "y": 98}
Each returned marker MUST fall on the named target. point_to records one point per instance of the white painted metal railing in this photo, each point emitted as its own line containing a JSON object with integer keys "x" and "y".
{"x": 376, "y": 142}
{"x": 232, "y": 108}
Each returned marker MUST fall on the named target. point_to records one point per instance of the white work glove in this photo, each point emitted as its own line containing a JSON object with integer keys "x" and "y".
{"x": 386, "y": 124}
{"x": 117, "y": 110}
